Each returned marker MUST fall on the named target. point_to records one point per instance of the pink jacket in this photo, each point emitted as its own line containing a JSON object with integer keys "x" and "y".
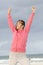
{"x": 19, "y": 38}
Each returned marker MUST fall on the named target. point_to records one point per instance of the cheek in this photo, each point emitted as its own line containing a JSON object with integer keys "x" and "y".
{"x": 18, "y": 26}
{"x": 21, "y": 27}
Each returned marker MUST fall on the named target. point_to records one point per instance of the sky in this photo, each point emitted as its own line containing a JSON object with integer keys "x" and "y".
{"x": 21, "y": 9}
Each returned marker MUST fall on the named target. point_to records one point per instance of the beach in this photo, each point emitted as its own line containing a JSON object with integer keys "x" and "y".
{"x": 33, "y": 61}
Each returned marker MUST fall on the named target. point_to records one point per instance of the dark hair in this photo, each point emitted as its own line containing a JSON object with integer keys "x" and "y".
{"x": 22, "y": 22}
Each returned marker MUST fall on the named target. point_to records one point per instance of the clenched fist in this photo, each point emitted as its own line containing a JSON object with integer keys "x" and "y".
{"x": 9, "y": 10}
{"x": 33, "y": 9}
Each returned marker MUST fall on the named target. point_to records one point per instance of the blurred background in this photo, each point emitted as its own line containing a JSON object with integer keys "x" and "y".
{"x": 21, "y": 9}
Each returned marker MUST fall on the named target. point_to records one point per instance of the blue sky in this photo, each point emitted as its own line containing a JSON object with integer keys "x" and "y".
{"x": 21, "y": 9}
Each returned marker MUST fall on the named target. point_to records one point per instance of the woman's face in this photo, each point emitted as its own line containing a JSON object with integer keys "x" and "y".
{"x": 19, "y": 26}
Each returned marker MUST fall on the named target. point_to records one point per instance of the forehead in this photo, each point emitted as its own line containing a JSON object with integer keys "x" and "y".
{"x": 19, "y": 22}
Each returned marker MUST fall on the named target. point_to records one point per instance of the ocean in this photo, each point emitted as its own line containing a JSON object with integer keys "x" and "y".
{"x": 28, "y": 55}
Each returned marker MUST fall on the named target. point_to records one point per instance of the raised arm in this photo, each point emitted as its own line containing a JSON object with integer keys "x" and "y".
{"x": 28, "y": 25}
{"x": 10, "y": 22}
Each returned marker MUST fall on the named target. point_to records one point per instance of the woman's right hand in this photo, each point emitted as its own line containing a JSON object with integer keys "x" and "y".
{"x": 9, "y": 10}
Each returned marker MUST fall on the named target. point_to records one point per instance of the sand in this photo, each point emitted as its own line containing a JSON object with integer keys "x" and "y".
{"x": 33, "y": 61}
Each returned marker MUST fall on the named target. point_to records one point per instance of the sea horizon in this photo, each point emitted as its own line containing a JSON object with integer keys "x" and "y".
{"x": 28, "y": 55}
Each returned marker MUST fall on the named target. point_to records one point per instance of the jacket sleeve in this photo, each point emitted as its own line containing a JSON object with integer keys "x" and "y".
{"x": 28, "y": 25}
{"x": 10, "y": 23}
